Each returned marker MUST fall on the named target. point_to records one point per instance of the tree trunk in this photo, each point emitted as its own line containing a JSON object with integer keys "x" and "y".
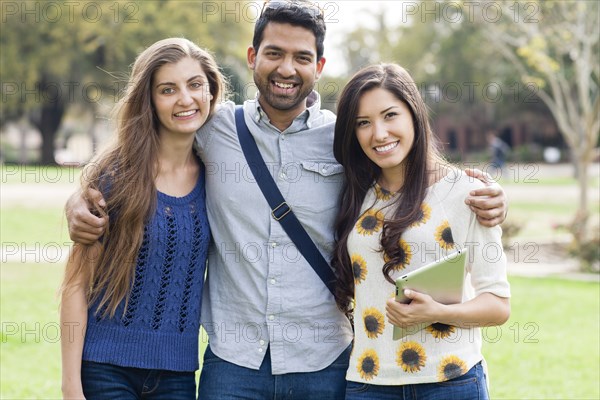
{"x": 574, "y": 157}
{"x": 48, "y": 122}
{"x": 579, "y": 227}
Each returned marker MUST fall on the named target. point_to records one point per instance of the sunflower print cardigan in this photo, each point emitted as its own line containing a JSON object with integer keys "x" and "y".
{"x": 437, "y": 352}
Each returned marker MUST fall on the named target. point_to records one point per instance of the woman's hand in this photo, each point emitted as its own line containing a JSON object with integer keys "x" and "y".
{"x": 421, "y": 309}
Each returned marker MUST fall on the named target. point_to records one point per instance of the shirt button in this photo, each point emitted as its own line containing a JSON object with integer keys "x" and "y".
{"x": 260, "y": 350}
{"x": 271, "y": 317}
{"x": 323, "y": 170}
{"x": 273, "y": 281}
{"x": 274, "y": 244}
{"x": 282, "y": 175}
{"x": 262, "y": 342}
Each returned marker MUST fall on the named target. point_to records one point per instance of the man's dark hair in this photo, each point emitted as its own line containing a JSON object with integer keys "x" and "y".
{"x": 297, "y": 13}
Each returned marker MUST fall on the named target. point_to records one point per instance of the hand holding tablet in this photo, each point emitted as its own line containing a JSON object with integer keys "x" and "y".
{"x": 442, "y": 280}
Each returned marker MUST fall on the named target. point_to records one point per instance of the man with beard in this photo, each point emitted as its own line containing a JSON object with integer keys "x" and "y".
{"x": 274, "y": 329}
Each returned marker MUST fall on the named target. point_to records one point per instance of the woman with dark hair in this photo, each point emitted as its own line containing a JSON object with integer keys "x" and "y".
{"x": 402, "y": 207}
{"x": 131, "y": 302}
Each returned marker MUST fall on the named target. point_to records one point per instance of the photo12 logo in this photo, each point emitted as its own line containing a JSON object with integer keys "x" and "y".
{"x": 455, "y": 12}
{"x": 70, "y": 11}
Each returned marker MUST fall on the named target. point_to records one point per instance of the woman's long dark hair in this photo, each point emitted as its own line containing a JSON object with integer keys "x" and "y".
{"x": 361, "y": 172}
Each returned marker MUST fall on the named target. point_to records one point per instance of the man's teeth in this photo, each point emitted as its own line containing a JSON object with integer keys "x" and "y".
{"x": 185, "y": 113}
{"x": 386, "y": 147}
{"x": 284, "y": 85}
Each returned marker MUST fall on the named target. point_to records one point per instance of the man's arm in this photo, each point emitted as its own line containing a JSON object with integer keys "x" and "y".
{"x": 84, "y": 226}
{"x": 488, "y": 203}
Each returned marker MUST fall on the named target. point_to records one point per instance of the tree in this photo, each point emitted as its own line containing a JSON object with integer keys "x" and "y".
{"x": 555, "y": 44}
{"x": 56, "y": 56}
{"x": 463, "y": 83}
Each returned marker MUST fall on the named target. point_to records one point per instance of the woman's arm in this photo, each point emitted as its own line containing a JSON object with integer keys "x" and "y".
{"x": 486, "y": 309}
{"x": 73, "y": 320}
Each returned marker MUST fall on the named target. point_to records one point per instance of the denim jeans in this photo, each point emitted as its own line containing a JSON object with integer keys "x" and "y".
{"x": 470, "y": 386}
{"x": 222, "y": 380}
{"x": 106, "y": 381}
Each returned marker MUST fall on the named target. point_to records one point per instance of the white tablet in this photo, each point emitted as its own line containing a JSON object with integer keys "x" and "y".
{"x": 442, "y": 280}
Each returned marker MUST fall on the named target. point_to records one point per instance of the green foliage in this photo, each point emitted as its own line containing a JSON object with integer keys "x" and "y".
{"x": 461, "y": 77}
{"x": 82, "y": 55}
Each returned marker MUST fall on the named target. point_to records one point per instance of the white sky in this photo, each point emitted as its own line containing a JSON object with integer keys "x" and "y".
{"x": 343, "y": 17}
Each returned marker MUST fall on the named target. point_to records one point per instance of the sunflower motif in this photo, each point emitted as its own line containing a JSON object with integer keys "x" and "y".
{"x": 359, "y": 268}
{"x": 411, "y": 357}
{"x": 451, "y": 367}
{"x": 440, "y": 331}
{"x": 374, "y": 321}
{"x": 424, "y": 215}
{"x": 443, "y": 235}
{"x": 405, "y": 255}
{"x": 383, "y": 194}
{"x": 368, "y": 364}
{"x": 370, "y": 222}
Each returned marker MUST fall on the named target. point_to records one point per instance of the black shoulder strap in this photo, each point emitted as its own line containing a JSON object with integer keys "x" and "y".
{"x": 280, "y": 210}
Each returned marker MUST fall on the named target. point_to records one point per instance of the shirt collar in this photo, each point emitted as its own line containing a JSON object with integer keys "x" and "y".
{"x": 305, "y": 118}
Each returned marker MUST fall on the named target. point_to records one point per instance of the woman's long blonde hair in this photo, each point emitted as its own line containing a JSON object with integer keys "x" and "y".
{"x": 125, "y": 174}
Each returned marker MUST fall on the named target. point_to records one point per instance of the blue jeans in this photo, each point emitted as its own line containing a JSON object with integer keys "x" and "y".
{"x": 470, "y": 386}
{"x": 222, "y": 380}
{"x": 106, "y": 381}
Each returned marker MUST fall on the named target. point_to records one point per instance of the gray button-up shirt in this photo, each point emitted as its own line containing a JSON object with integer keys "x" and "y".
{"x": 260, "y": 292}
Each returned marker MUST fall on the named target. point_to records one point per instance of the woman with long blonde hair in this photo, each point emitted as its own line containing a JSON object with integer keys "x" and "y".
{"x": 131, "y": 301}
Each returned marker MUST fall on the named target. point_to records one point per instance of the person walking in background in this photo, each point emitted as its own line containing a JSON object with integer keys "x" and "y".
{"x": 499, "y": 153}
{"x": 131, "y": 302}
{"x": 402, "y": 208}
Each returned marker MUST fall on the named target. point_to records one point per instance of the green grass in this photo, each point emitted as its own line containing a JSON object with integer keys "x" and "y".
{"x": 30, "y": 351}
{"x": 33, "y": 226}
{"x": 547, "y": 350}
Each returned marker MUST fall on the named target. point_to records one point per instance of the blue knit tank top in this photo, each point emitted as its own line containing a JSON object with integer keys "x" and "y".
{"x": 159, "y": 329}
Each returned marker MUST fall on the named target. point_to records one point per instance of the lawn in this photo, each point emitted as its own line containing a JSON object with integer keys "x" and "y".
{"x": 549, "y": 349}
{"x": 31, "y": 226}
{"x": 545, "y": 351}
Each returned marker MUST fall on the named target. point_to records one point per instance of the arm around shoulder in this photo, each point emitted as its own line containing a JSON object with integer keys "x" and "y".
{"x": 489, "y": 203}
{"x": 85, "y": 227}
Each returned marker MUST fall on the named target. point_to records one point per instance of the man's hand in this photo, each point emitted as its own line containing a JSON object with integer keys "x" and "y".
{"x": 85, "y": 227}
{"x": 488, "y": 203}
